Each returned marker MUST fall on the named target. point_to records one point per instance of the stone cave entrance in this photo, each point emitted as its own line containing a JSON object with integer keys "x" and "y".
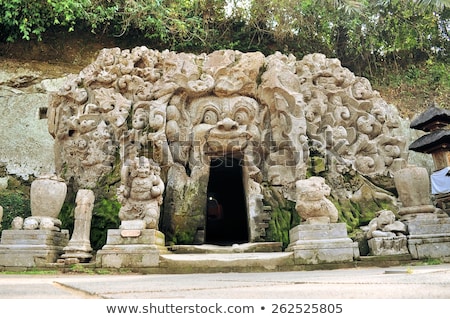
{"x": 227, "y": 221}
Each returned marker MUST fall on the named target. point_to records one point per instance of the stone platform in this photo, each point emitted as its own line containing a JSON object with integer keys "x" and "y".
{"x": 131, "y": 248}
{"x": 429, "y": 236}
{"x": 322, "y": 243}
{"x": 31, "y": 248}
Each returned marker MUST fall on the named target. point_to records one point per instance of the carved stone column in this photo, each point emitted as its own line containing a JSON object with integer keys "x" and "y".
{"x": 428, "y": 226}
{"x": 79, "y": 248}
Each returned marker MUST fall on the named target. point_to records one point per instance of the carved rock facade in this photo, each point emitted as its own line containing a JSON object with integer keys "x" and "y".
{"x": 197, "y": 115}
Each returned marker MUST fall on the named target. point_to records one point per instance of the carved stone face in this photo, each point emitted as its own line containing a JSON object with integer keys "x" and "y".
{"x": 226, "y": 124}
{"x": 140, "y": 119}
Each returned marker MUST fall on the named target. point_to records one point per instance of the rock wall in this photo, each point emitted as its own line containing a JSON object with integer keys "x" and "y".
{"x": 26, "y": 147}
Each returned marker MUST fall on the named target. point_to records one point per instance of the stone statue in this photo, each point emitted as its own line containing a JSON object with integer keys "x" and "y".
{"x": 312, "y": 204}
{"x": 141, "y": 192}
{"x": 17, "y": 223}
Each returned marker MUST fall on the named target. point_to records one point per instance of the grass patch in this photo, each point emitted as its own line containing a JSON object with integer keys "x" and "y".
{"x": 30, "y": 272}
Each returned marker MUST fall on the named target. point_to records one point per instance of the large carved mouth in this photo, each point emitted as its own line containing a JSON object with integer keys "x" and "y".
{"x": 219, "y": 141}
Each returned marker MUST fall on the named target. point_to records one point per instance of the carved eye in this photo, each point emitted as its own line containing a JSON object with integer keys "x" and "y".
{"x": 241, "y": 117}
{"x": 210, "y": 117}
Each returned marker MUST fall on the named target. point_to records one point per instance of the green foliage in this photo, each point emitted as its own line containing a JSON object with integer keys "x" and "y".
{"x": 14, "y": 203}
{"x": 105, "y": 216}
{"x": 282, "y": 218}
{"x": 180, "y": 238}
{"x": 367, "y": 36}
{"x": 27, "y": 19}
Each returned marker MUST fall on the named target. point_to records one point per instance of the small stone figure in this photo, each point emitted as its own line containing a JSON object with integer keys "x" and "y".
{"x": 312, "y": 204}
{"x": 17, "y": 223}
{"x": 141, "y": 192}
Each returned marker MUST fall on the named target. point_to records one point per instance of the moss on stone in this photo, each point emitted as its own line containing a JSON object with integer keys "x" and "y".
{"x": 283, "y": 216}
{"x": 105, "y": 216}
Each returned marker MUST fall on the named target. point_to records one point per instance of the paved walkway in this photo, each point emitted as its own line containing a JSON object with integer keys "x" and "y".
{"x": 408, "y": 282}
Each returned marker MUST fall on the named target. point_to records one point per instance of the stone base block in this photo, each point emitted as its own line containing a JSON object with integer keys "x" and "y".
{"x": 428, "y": 224}
{"x": 31, "y": 248}
{"x": 135, "y": 237}
{"x": 429, "y": 235}
{"x": 423, "y": 247}
{"x": 318, "y": 232}
{"x": 386, "y": 246}
{"x": 139, "y": 251}
{"x": 322, "y": 243}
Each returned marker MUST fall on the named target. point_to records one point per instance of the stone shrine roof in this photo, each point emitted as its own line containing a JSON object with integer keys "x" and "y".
{"x": 432, "y": 118}
{"x": 429, "y": 143}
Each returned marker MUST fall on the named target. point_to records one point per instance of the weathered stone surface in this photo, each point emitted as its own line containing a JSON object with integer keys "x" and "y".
{"x": 27, "y": 148}
{"x": 317, "y": 232}
{"x": 413, "y": 186}
{"x": 131, "y": 252}
{"x": 186, "y": 110}
{"x": 79, "y": 245}
{"x": 130, "y": 232}
{"x": 147, "y": 237}
{"x": 312, "y": 204}
{"x": 31, "y": 248}
{"x": 141, "y": 192}
{"x": 322, "y": 243}
{"x": 47, "y": 195}
{"x": 384, "y": 246}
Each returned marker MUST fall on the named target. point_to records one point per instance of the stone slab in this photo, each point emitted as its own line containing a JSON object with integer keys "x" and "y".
{"x": 130, "y": 233}
{"x": 305, "y": 256}
{"x": 31, "y": 248}
{"x": 322, "y": 243}
{"x": 147, "y": 237}
{"x": 318, "y": 231}
{"x": 429, "y": 227}
{"x": 34, "y": 237}
{"x": 429, "y": 247}
{"x": 258, "y": 247}
{"x": 385, "y": 246}
{"x": 28, "y": 258}
{"x": 268, "y": 261}
{"x": 128, "y": 256}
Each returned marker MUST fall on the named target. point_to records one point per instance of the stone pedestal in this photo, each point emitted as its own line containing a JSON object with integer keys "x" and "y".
{"x": 429, "y": 235}
{"x": 31, "y": 248}
{"x": 132, "y": 248}
{"x": 322, "y": 243}
{"x": 386, "y": 246}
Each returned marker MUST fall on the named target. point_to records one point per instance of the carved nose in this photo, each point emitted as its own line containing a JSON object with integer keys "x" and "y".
{"x": 227, "y": 124}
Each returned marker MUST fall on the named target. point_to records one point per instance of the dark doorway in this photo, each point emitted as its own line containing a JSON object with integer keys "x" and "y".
{"x": 226, "y": 222}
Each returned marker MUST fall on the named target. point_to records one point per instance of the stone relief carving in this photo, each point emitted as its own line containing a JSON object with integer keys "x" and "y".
{"x": 181, "y": 110}
{"x": 386, "y": 235}
{"x": 141, "y": 192}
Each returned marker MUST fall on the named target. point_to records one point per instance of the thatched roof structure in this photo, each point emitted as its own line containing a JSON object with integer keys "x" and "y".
{"x": 433, "y": 118}
{"x": 429, "y": 143}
